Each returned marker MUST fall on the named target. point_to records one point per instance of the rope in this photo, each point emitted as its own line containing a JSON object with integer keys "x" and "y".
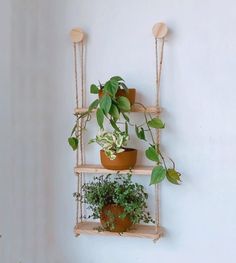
{"x": 76, "y": 89}
{"x": 79, "y": 152}
{"x": 82, "y": 72}
{"x": 77, "y": 203}
{"x": 77, "y": 104}
{"x": 76, "y": 76}
{"x": 83, "y": 105}
{"x": 159, "y": 54}
{"x": 81, "y": 145}
{"x": 82, "y": 157}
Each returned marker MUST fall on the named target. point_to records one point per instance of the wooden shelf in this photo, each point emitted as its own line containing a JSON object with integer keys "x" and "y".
{"x": 97, "y": 169}
{"x": 142, "y": 231}
{"x": 135, "y": 108}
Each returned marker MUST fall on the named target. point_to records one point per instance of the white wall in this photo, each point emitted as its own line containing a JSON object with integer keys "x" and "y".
{"x": 198, "y": 93}
{"x": 5, "y": 112}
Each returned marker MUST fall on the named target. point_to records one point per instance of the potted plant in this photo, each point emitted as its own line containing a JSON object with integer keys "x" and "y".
{"x": 114, "y": 101}
{"x": 161, "y": 170}
{"x": 117, "y": 201}
{"x": 114, "y": 154}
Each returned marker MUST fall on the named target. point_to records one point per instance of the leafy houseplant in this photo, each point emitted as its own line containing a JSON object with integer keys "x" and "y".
{"x": 114, "y": 155}
{"x": 122, "y": 90}
{"x": 112, "y": 142}
{"x": 118, "y": 202}
{"x": 110, "y": 105}
{"x": 153, "y": 152}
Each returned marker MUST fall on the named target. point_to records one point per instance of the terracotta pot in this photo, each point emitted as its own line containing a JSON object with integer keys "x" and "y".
{"x": 124, "y": 160}
{"x": 129, "y": 95}
{"x": 109, "y": 218}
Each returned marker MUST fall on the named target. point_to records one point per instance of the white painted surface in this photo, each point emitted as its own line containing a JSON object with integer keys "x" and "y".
{"x": 198, "y": 93}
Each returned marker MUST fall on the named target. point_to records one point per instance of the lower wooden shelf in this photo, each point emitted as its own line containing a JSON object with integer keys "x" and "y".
{"x": 142, "y": 231}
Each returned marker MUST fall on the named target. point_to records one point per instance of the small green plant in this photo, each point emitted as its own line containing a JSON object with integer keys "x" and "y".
{"x": 112, "y": 142}
{"x": 109, "y": 106}
{"x": 107, "y": 189}
{"x": 160, "y": 171}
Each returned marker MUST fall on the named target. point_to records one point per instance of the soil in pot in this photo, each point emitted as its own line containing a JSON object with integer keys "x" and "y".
{"x": 111, "y": 221}
{"x": 130, "y": 95}
{"x": 123, "y": 161}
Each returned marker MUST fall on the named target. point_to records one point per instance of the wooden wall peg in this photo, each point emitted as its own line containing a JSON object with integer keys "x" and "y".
{"x": 77, "y": 35}
{"x": 160, "y": 30}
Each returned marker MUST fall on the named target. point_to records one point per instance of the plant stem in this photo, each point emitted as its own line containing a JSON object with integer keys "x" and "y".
{"x": 162, "y": 157}
{"x": 150, "y": 131}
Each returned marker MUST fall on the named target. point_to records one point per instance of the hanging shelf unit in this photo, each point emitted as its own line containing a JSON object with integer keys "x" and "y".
{"x": 82, "y": 168}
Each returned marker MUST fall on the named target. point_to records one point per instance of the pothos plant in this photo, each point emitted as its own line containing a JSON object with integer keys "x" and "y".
{"x": 108, "y": 106}
{"x": 108, "y": 189}
{"x": 161, "y": 170}
{"x": 111, "y": 142}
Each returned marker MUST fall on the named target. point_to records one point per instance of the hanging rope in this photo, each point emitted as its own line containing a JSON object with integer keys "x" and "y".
{"x": 83, "y": 161}
{"x": 76, "y": 75}
{"x": 82, "y": 157}
{"x": 79, "y": 86}
{"x": 77, "y": 201}
{"x": 77, "y": 105}
{"x": 81, "y": 143}
{"x": 159, "y": 59}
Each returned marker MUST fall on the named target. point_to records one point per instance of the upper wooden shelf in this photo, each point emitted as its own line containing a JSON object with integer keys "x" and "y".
{"x": 142, "y": 231}
{"x": 97, "y": 169}
{"x": 135, "y": 108}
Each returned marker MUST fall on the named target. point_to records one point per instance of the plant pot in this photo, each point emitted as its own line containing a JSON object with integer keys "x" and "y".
{"x": 111, "y": 221}
{"x": 123, "y": 161}
{"x": 130, "y": 95}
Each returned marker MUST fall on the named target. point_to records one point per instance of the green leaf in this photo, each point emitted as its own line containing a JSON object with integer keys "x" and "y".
{"x": 116, "y": 78}
{"x": 137, "y": 131}
{"x": 111, "y": 87}
{"x": 73, "y": 142}
{"x": 94, "y": 89}
{"x": 114, "y": 85}
{"x": 156, "y": 123}
{"x": 126, "y": 128}
{"x": 123, "y": 104}
{"x": 100, "y": 117}
{"x": 140, "y": 133}
{"x": 151, "y": 154}
{"x": 124, "y": 87}
{"x": 173, "y": 176}
{"x": 125, "y": 116}
{"x": 105, "y": 103}
{"x": 106, "y": 87}
{"x": 114, "y": 112}
{"x": 93, "y": 105}
{"x": 158, "y": 174}
{"x": 113, "y": 124}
